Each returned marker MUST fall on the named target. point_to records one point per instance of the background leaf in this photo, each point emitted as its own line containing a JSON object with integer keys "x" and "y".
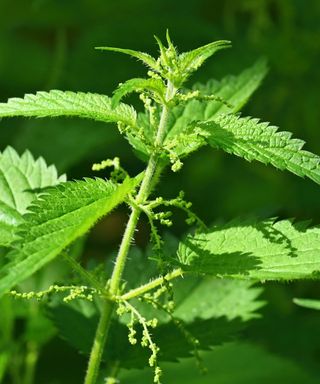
{"x": 265, "y": 250}
{"x": 240, "y": 363}
{"x": 21, "y": 178}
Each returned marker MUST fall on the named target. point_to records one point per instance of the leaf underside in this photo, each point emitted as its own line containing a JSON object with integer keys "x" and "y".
{"x": 265, "y": 250}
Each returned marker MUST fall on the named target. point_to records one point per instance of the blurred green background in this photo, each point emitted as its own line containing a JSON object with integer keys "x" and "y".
{"x": 47, "y": 44}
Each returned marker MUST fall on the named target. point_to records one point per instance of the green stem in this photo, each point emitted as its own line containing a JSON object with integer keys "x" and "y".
{"x": 115, "y": 281}
{"x": 152, "y": 284}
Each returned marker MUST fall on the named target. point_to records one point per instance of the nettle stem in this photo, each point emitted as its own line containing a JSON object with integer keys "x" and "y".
{"x": 115, "y": 281}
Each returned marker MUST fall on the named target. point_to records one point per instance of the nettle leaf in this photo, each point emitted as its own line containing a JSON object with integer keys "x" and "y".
{"x": 265, "y": 250}
{"x": 144, "y": 57}
{"x": 56, "y": 219}
{"x": 308, "y": 303}
{"x": 240, "y": 363}
{"x": 192, "y": 60}
{"x": 208, "y": 297}
{"x": 155, "y": 86}
{"x": 20, "y": 179}
{"x": 255, "y": 140}
{"x": 236, "y": 90}
{"x": 59, "y": 103}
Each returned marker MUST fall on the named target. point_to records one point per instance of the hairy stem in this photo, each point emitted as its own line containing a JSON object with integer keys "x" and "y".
{"x": 115, "y": 281}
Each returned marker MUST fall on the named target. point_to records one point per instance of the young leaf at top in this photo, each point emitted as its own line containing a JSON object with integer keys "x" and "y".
{"x": 144, "y": 57}
{"x": 254, "y": 140}
{"x": 58, "y": 103}
{"x": 192, "y": 60}
{"x": 265, "y": 250}
{"x": 155, "y": 86}
{"x": 177, "y": 68}
{"x": 56, "y": 219}
{"x": 20, "y": 179}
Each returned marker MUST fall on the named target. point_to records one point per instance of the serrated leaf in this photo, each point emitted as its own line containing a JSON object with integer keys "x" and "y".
{"x": 155, "y": 86}
{"x": 265, "y": 250}
{"x": 20, "y": 178}
{"x": 240, "y": 363}
{"x": 56, "y": 219}
{"x": 236, "y": 90}
{"x": 192, "y": 60}
{"x": 308, "y": 303}
{"x": 57, "y": 103}
{"x": 144, "y": 57}
{"x": 255, "y": 140}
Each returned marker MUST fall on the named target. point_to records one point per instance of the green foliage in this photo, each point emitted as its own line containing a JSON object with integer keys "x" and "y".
{"x": 265, "y": 250}
{"x": 157, "y": 310}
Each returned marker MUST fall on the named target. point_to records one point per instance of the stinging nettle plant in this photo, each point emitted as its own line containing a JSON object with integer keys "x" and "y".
{"x": 186, "y": 296}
